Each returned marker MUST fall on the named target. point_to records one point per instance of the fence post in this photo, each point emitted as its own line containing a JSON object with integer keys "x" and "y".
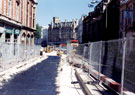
{"x": 0, "y": 56}
{"x": 100, "y": 60}
{"x": 68, "y": 52}
{"x": 123, "y": 64}
{"x": 90, "y": 53}
{"x": 83, "y": 56}
{"x": 89, "y": 57}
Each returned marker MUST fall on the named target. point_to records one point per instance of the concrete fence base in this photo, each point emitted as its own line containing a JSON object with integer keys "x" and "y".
{"x": 82, "y": 84}
{"x": 109, "y": 82}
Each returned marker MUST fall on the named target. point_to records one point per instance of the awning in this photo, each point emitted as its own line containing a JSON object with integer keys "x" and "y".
{"x": 17, "y": 31}
{"x": 2, "y": 29}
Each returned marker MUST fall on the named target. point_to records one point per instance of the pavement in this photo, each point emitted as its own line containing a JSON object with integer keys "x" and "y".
{"x": 66, "y": 80}
{"x": 74, "y": 81}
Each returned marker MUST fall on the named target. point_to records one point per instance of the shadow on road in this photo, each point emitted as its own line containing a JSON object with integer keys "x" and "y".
{"x": 38, "y": 80}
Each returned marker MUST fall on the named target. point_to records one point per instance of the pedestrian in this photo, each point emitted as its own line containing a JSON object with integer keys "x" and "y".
{"x": 41, "y": 52}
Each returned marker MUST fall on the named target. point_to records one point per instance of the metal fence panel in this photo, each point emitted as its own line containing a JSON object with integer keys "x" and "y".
{"x": 12, "y": 53}
{"x": 114, "y": 59}
{"x": 129, "y": 70}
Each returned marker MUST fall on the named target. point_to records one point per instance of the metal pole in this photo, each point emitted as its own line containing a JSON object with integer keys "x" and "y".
{"x": 90, "y": 52}
{"x": 123, "y": 65}
{"x": 106, "y": 16}
{"x": 100, "y": 60}
{"x": 0, "y": 59}
{"x": 83, "y": 56}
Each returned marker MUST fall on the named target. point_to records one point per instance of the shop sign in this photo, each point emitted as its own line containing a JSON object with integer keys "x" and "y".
{"x": 9, "y": 30}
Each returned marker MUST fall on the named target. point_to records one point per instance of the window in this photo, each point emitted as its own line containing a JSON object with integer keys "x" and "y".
{"x": 33, "y": 20}
{"x": 17, "y": 11}
{"x": 15, "y": 37}
{"x": 18, "y": 2}
{"x": 122, "y": 17}
{"x": 9, "y": 8}
{"x": 134, "y": 14}
{"x": 5, "y": 7}
{"x": 7, "y": 37}
{"x": 0, "y": 35}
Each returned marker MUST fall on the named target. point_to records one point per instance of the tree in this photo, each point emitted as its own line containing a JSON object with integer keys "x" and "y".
{"x": 38, "y": 32}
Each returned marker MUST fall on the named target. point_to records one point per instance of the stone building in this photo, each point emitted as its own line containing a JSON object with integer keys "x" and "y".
{"x": 45, "y": 33}
{"x": 18, "y": 21}
{"x": 102, "y": 23}
{"x": 61, "y": 32}
{"x": 80, "y": 29}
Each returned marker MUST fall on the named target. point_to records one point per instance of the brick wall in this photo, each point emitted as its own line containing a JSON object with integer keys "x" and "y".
{"x": 0, "y": 6}
{"x": 25, "y": 11}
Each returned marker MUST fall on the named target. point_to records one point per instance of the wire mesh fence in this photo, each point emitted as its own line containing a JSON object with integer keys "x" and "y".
{"x": 112, "y": 54}
{"x": 112, "y": 59}
{"x": 129, "y": 66}
{"x": 13, "y": 53}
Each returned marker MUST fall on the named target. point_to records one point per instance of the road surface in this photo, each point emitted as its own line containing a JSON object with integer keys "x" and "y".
{"x": 38, "y": 80}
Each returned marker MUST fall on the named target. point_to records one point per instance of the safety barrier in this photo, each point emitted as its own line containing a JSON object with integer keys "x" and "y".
{"x": 110, "y": 62}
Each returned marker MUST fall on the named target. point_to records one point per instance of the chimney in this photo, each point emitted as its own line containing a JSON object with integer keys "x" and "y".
{"x": 56, "y": 20}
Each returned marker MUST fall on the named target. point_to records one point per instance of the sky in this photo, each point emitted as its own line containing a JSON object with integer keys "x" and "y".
{"x": 64, "y": 9}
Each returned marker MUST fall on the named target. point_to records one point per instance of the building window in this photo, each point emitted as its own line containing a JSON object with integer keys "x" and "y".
{"x": 18, "y": 2}
{"x": 17, "y": 11}
{"x": 0, "y": 35}
{"x": 122, "y": 17}
{"x": 33, "y": 20}
{"x": 133, "y": 16}
{"x": 9, "y": 7}
{"x": 27, "y": 39}
{"x": 23, "y": 38}
{"x": 5, "y": 7}
{"x": 8, "y": 36}
{"x": 15, "y": 37}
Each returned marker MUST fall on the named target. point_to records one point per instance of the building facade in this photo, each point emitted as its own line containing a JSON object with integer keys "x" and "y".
{"x": 102, "y": 23}
{"x": 80, "y": 29}
{"x": 61, "y": 32}
{"x": 127, "y": 24}
{"x": 45, "y": 33}
{"x": 18, "y": 21}
{"x": 127, "y": 18}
